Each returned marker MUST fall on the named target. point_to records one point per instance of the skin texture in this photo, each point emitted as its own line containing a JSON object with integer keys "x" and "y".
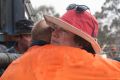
{"x": 24, "y": 43}
{"x": 62, "y": 37}
{"x": 42, "y": 31}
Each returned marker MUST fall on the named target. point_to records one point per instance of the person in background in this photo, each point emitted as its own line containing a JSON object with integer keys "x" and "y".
{"x": 22, "y": 38}
{"x": 16, "y": 44}
{"x": 3, "y": 49}
{"x": 66, "y": 58}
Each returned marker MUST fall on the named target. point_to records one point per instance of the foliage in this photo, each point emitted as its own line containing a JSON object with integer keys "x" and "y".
{"x": 109, "y": 23}
{"x": 49, "y": 10}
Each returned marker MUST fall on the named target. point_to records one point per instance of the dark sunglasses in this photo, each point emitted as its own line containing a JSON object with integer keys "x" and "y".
{"x": 78, "y": 8}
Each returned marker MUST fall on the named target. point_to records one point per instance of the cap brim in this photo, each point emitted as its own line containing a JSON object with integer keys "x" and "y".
{"x": 74, "y": 30}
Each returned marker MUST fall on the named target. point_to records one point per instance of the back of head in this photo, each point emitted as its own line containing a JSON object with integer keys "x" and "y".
{"x": 24, "y": 26}
{"x": 41, "y": 31}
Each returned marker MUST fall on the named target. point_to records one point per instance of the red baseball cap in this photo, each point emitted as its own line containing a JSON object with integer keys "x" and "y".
{"x": 83, "y": 21}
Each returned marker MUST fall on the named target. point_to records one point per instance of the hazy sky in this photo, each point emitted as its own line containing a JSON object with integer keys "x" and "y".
{"x": 60, "y": 5}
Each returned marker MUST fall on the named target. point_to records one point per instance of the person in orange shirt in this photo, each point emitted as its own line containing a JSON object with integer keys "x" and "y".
{"x": 66, "y": 58}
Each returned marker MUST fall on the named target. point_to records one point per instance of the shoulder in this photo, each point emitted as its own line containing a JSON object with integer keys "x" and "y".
{"x": 3, "y": 48}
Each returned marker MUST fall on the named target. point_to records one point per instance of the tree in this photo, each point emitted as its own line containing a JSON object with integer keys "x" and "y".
{"x": 46, "y": 10}
{"x": 109, "y": 21}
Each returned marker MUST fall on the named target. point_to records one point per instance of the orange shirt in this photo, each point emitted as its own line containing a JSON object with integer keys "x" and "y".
{"x": 61, "y": 63}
